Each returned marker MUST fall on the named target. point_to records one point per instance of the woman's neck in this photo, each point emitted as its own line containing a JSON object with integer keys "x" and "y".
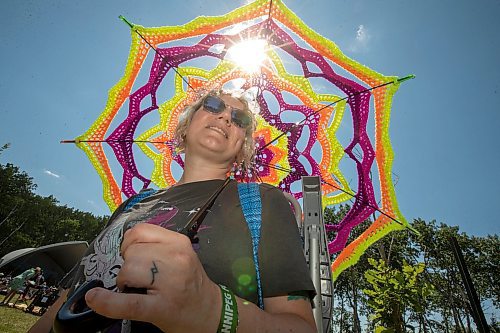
{"x": 198, "y": 169}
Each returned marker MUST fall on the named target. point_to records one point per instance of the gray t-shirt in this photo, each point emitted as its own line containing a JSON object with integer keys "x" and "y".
{"x": 225, "y": 245}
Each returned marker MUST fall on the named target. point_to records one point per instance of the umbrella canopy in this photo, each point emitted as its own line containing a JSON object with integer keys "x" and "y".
{"x": 304, "y": 89}
{"x": 14, "y": 254}
{"x": 55, "y": 260}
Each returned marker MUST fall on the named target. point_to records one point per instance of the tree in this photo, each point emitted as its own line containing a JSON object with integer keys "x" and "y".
{"x": 393, "y": 291}
{"x": 30, "y": 220}
{"x": 482, "y": 259}
{"x": 349, "y": 285}
{"x": 446, "y": 309}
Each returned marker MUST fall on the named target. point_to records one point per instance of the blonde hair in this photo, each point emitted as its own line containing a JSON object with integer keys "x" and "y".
{"x": 247, "y": 152}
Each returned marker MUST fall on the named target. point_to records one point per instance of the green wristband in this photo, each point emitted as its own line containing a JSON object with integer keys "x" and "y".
{"x": 229, "y": 315}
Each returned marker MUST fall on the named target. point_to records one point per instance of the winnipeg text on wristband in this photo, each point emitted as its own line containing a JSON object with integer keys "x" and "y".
{"x": 229, "y": 315}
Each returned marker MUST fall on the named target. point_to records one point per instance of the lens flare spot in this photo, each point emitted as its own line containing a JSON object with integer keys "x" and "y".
{"x": 244, "y": 279}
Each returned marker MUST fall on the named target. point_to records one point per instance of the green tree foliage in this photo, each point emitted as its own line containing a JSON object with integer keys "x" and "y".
{"x": 446, "y": 309}
{"x": 392, "y": 291}
{"x": 30, "y": 220}
{"x": 350, "y": 303}
{"x": 482, "y": 260}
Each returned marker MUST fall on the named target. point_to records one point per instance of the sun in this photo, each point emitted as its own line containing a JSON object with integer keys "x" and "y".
{"x": 248, "y": 54}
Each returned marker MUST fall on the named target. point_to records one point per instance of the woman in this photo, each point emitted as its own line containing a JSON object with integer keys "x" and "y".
{"x": 191, "y": 288}
{"x": 17, "y": 283}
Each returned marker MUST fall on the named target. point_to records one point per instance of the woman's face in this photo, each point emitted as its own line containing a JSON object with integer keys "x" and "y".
{"x": 214, "y": 135}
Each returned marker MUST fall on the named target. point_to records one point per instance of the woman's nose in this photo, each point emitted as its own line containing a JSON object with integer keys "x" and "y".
{"x": 226, "y": 116}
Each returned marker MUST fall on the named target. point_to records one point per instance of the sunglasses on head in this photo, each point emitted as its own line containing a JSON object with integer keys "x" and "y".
{"x": 215, "y": 105}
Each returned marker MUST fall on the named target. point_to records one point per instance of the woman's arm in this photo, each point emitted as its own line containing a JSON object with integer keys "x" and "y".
{"x": 180, "y": 296}
{"x": 283, "y": 313}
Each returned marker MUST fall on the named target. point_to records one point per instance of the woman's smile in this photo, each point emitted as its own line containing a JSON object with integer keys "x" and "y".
{"x": 218, "y": 130}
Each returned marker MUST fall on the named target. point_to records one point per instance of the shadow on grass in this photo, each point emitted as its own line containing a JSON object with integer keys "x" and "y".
{"x": 14, "y": 320}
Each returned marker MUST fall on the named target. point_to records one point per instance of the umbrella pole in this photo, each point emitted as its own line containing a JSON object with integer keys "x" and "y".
{"x": 316, "y": 252}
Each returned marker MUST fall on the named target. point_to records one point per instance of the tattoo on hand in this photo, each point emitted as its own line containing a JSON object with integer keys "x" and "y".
{"x": 154, "y": 270}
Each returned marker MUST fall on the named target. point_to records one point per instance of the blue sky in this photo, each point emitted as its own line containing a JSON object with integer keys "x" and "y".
{"x": 59, "y": 59}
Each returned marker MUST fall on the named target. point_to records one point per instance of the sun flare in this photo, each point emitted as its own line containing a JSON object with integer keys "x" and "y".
{"x": 249, "y": 54}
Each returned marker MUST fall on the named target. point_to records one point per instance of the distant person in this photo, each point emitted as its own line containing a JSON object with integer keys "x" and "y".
{"x": 3, "y": 281}
{"x": 37, "y": 281}
{"x": 17, "y": 283}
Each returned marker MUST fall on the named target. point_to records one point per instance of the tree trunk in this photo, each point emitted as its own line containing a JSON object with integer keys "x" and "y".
{"x": 341, "y": 313}
{"x": 446, "y": 324}
{"x": 355, "y": 319}
{"x": 462, "y": 327}
{"x": 429, "y": 324}
{"x": 456, "y": 318}
{"x": 456, "y": 314}
{"x": 403, "y": 318}
{"x": 422, "y": 323}
{"x": 381, "y": 251}
{"x": 356, "y": 322}
{"x": 397, "y": 319}
{"x": 469, "y": 329}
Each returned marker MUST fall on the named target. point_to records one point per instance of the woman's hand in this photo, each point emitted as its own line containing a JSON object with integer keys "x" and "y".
{"x": 180, "y": 296}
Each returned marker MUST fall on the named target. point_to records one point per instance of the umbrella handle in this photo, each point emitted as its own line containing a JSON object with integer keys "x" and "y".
{"x": 75, "y": 315}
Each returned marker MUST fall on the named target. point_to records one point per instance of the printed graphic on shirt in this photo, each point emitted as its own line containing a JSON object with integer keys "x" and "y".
{"x": 158, "y": 216}
{"x": 105, "y": 263}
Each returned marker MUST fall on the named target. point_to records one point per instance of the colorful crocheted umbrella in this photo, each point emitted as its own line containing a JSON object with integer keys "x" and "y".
{"x": 293, "y": 138}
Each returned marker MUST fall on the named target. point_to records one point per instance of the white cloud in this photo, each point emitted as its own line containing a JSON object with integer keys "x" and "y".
{"x": 362, "y": 35}
{"x": 92, "y": 203}
{"x": 362, "y": 39}
{"x": 50, "y": 173}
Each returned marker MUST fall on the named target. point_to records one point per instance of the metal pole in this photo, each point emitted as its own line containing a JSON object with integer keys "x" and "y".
{"x": 475, "y": 304}
{"x": 316, "y": 252}
{"x": 314, "y": 261}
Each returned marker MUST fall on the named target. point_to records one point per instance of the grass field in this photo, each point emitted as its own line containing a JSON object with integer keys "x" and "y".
{"x": 14, "y": 320}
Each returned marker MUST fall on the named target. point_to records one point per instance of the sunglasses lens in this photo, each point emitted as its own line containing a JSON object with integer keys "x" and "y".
{"x": 240, "y": 118}
{"x": 214, "y": 104}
